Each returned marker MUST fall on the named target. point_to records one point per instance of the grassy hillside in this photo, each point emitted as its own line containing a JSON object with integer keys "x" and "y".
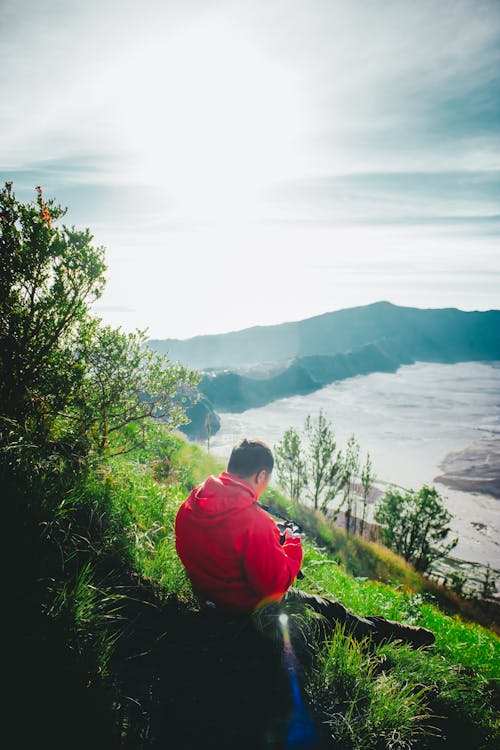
{"x": 181, "y": 666}
{"x": 375, "y": 561}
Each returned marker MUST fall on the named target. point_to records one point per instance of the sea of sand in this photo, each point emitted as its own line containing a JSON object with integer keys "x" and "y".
{"x": 425, "y": 424}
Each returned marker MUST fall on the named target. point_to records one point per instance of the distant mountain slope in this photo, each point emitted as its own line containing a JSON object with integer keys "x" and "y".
{"x": 230, "y": 391}
{"x": 318, "y": 351}
{"x": 438, "y": 335}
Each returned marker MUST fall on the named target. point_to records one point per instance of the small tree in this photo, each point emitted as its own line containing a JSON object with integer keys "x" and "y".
{"x": 290, "y": 464}
{"x": 457, "y": 582}
{"x": 208, "y": 427}
{"x": 324, "y": 462}
{"x": 488, "y": 583}
{"x": 350, "y": 472}
{"x": 125, "y": 382}
{"x": 415, "y": 525}
{"x": 367, "y": 481}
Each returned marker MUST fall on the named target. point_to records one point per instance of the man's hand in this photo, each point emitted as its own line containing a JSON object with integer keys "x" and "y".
{"x": 288, "y": 530}
{"x": 292, "y": 534}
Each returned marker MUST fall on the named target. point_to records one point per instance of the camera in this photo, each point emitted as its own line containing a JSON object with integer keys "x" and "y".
{"x": 284, "y": 525}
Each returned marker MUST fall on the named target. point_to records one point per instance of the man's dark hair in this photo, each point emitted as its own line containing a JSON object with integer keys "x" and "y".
{"x": 250, "y": 457}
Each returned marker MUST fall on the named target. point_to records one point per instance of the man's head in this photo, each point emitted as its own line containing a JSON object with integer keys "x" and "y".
{"x": 253, "y": 461}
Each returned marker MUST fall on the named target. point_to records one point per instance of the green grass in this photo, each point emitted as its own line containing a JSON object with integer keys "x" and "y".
{"x": 363, "y": 705}
{"x": 364, "y": 559}
{"x": 384, "y": 697}
{"x": 465, "y": 643}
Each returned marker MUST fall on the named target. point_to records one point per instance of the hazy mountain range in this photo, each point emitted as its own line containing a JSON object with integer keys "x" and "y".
{"x": 250, "y": 368}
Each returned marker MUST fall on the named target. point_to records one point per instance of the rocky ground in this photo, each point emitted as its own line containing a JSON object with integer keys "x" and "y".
{"x": 475, "y": 469}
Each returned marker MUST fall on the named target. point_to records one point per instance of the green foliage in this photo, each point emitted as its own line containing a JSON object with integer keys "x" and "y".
{"x": 415, "y": 525}
{"x": 48, "y": 277}
{"x": 66, "y": 381}
{"x": 315, "y": 464}
{"x": 290, "y": 464}
{"x": 126, "y": 382}
{"x": 149, "y": 512}
{"x": 381, "y": 698}
{"x": 488, "y": 584}
{"x": 457, "y": 642}
{"x": 325, "y": 464}
{"x": 326, "y": 471}
{"x": 359, "y": 557}
{"x": 171, "y": 457}
{"x": 71, "y": 393}
{"x": 93, "y": 528}
{"x": 367, "y": 481}
{"x": 88, "y": 609}
{"x": 457, "y": 582}
{"x": 350, "y": 473}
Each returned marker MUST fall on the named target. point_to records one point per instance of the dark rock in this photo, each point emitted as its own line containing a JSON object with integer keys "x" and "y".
{"x": 196, "y": 429}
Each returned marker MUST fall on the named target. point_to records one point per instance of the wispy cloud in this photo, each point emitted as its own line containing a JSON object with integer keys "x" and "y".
{"x": 401, "y": 85}
{"x": 186, "y": 133}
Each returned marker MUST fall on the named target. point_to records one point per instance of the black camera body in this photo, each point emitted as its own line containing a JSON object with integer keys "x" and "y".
{"x": 284, "y": 525}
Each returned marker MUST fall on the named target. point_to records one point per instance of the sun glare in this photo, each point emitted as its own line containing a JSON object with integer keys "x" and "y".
{"x": 211, "y": 119}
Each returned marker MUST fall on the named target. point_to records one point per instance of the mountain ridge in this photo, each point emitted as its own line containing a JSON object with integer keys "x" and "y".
{"x": 318, "y": 351}
{"x": 326, "y": 334}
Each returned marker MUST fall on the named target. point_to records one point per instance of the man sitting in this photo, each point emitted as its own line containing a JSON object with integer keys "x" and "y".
{"x": 234, "y": 557}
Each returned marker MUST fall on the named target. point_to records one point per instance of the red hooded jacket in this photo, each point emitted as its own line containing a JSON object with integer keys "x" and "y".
{"x": 231, "y": 548}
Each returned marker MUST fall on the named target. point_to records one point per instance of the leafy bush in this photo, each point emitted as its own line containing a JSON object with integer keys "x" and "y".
{"x": 415, "y": 525}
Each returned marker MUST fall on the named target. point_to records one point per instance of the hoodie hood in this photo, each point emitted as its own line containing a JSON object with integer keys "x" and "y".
{"x": 220, "y": 496}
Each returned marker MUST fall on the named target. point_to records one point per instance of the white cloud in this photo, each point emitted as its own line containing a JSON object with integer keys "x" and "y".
{"x": 206, "y": 141}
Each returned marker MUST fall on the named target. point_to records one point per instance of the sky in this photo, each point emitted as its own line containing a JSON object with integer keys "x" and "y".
{"x": 248, "y": 163}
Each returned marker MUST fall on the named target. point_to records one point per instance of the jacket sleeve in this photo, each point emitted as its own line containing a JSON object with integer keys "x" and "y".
{"x": 270, "y": 567}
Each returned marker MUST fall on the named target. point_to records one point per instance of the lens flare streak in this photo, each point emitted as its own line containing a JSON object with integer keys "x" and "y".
{"x": 301, "y": 733}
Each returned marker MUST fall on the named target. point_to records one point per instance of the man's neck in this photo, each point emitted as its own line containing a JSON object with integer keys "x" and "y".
{"x": 248, "y": 480}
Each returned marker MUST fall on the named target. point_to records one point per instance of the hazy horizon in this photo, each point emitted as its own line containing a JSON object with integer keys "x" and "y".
{"x": 298, "y": 320}
{"x": 252, "y": 163}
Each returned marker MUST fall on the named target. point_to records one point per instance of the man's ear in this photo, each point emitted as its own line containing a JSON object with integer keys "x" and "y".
{"x": 261, "y": 476}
